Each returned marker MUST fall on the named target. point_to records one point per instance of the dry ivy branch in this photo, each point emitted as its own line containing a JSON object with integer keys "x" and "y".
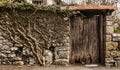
{"x": 22, "y": 27}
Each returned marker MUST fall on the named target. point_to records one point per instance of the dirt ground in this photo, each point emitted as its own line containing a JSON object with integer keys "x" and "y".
{"x": 55, "y": 68}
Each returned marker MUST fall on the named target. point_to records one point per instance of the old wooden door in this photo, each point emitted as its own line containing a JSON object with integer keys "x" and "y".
{"x": 85, "y": 40}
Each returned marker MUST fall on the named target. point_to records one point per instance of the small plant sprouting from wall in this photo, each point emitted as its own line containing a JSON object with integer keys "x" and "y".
{"x": 116, "y": 30}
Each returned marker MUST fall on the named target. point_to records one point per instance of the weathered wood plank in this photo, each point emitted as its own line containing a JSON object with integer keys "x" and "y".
{"x": 85, "y": 40}
{"x": 93, "y": 40}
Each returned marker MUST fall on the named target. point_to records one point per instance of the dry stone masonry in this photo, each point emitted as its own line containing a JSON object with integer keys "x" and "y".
{"x": 112, "y": 56}
{"x": 17, "y": 54}
{"x": 59, "y": 31}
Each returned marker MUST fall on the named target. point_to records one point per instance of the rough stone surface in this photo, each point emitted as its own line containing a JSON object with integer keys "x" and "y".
{"x": 111, "y": 45}
{"x": 67, "y": 46}
{"x": 66, "y": 39}
{"x": 112, "y": 51}
{"x": 19, "y": 45}
{"x": 109, "y": 60}
{"x": 117, "y": 61}
{"x": 108, "y": 38}
{"x": 32, "y": 61}
{"x": 109, "y": 29}
{"x": 26, "y": 51}
{"x": 48, "y": 57}
{"x": 1, "y": 38}
{"x": 108, "y": 54}
{"x": 62, "y": 62}
{"x": 3, "y": 55}
{"x": 116, "y": 37}
{"x": 11, "y": 55}
{"x": 115, "y": 53}
{"x": 109, "y": 23}
{"x": 18, "y": 63}
{"x": 17, "y": 58}
{"x": 109, "y": 18}
{"x": 6, "y": 52}
{"x": 5, "y": 47}
{"x": 19, "y": 54}
{"x": 13, "y": 48}
{"x": 62, "y": 54}
{"x": 9, "y": 43}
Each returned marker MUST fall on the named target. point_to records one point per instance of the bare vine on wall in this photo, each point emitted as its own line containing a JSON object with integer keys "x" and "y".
{"x": 28, "y": 32}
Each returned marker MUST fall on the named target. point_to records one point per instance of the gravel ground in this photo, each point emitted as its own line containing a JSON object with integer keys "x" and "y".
{"x": 55, "y": 68}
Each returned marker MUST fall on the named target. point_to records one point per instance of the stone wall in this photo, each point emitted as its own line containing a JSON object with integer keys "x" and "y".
{"x": 19, "y": 54}
{"x": 112, "y": 56}
{"x": 8, "y": 51}
{"x": 57, "y": 28}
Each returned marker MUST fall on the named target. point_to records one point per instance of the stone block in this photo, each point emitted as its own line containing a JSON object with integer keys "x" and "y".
{"x": 5, "y": 47}
{"x": 109, "y": 60}
{"x": 18, "y": 45}
{"x": 66, "y": 40}
{"x": 67, "y": 45}
{"x": 26, "y": 51}
{"x": 1, "y": 45}
{"x": 4, "y": 63}
{"x": 115, "y": 53}
{"x": 48, "y": 57}
{"x": 11, "y": 55}
{"x": 3, "y": 55}
{"x": 62, "y": 62}
{"x": 108, "y": 55}
{"x": 1, "y": 38}
{"x": 66, "y": 18}
{"x": 1, "y": 32}
{"x": 111, "y": 45}
{"x": 16, "y": 59}
{"x": 108, "y": 38}
{"x": 109, "y": 29}
{"x": 116, "y": 25}
{"x": 68, "y": 28}
{"x": 110, "y": 64}
{"x": 14, "y": 48}
{"x": 9, "y": 43}
{"x": 117, "y": 61}
{"x": 6, "y": 52}
{"x": 18, "y": 63}
{"x": 109, "y": 18}
{"x": 1, "y": 41}
{"x": 109, "y": 23}
{"x": 116, "y": 37}
{"x": 4, "y": 59}
{"x": 54, "y": 45}
{"x": 32, "y": 61}
{"x": 5, "y": 35}
{"x": 5, "y": 41}
{"x": 62, "y": 55}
